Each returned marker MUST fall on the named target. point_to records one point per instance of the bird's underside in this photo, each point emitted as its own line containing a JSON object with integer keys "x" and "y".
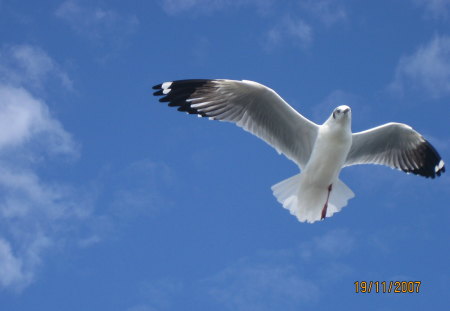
{"x": 316, "y": 192}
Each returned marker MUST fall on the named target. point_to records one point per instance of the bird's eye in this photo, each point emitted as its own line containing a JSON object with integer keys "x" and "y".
{"x": 338, "y": 111}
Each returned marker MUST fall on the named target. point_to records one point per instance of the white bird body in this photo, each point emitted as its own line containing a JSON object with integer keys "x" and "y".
{"x": 320, "y": 151}
{"x": 321, "y": 172}
{"x": 329, "y": 152}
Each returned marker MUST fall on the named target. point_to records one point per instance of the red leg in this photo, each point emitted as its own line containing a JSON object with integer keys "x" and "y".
{"x": 324, "y": 210}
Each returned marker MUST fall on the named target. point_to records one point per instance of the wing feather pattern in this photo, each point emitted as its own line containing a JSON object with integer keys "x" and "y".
{"x": 252, "y": 106}
{"x": 398, "y": 146}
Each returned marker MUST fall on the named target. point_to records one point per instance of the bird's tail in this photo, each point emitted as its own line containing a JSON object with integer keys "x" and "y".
{"x": 306, "y": 201}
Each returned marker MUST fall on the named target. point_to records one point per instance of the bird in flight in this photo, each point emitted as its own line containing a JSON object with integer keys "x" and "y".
{"x": 320, "y": 151}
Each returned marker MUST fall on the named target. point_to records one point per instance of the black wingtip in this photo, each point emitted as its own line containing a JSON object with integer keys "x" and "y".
{"x": 432, "y": 164}
{"x": 178, "y": 93}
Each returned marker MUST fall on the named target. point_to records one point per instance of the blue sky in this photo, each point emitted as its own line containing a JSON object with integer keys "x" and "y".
{"x": 109, "y": 200}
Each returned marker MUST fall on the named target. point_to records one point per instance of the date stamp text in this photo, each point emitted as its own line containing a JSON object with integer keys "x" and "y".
{"x": 387, "y": 286}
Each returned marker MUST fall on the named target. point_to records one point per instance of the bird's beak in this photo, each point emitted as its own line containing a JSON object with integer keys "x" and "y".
{"x": 346, "y": 110}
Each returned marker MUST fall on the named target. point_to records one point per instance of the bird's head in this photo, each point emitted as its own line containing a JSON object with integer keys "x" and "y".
{"x": 341, "y": 113}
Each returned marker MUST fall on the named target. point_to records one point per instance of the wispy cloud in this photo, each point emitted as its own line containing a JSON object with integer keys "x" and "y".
{"x": 26, "y": 121}
{"x": 290, "y": 24}
{"x": 332, "y": 245}
{"x": 29, "y": 66}
{"x": 34, "y": 215}
{"x": 96, "y": 23}
{"x": 286, "y": 279}
{"x": 282, "y": 279}
{"x": 38, "y": 215}
{"x": 11, "y": 267}
{"x": 34, "y": 212}
{"x": 426, "y": 70}
{"x": 174, "y": 7}
{"x": 297, "y": 28}
{"x": 295, "y": 31}
{"x": 262, "y": 287}
{"x": 136, "y": 189}
{"x": 335, "y": 243}
{"x": 160, "y": 294}
{"x": 328, "y": 12}
{"x": 437, "y": 9}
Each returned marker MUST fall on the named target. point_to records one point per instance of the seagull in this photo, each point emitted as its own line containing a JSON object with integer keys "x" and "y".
{"x": 320, "y": 151}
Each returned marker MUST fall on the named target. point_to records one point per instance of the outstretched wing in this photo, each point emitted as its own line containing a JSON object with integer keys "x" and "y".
{"x": 398, "y": 146}
{"x": 252, "y": 106}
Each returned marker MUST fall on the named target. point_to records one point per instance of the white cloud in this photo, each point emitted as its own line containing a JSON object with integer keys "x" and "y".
{"x": 426, "y": 70}
{"x": 17, "y": 267}
{"x": 38, "y": 214}
{"x": 29, "y": 66}
{"x": 24, "y": 194}
{"x": 291, "y": 30}
{"x": 328, "y": 12}
{"x": 35, "y": 213}
{"x": 174, "y": 7}
{"x": 96, "y": 23}
{"x": 435, "y": 8}
{"x": 11, "y": 267}
{"x": 25, "y": 119}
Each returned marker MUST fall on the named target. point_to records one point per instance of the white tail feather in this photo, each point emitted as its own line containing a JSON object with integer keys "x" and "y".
{"x": 306, "y": 201}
